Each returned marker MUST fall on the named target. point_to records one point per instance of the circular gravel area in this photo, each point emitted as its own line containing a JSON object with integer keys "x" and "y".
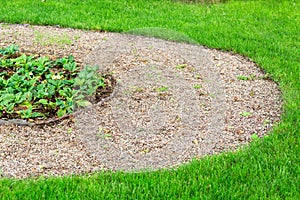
{"x": 172, "y": 102}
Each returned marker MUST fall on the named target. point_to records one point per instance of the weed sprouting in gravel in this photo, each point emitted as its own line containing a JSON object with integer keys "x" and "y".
{"x": 246, "y": 78}
{"x": 161, "y": 89}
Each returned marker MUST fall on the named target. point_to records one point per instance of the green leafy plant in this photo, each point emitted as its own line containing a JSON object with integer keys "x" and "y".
{"x": 39, "y": 87}
{"x": 10, "y": 50}
{"x": 246, "y": 78}
{"x": 161, "y": 89}
{"x": 197, "y": 87}
{"x": 245, "y": 114}
{"x": 182, "y": 66}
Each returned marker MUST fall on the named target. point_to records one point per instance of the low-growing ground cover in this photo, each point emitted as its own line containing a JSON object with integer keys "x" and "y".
{"x": 39, "y": 88}
{"x": 268, "y": 34}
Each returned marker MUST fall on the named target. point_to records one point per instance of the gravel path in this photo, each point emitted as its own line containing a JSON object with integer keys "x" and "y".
{"x": 173, "y": 102}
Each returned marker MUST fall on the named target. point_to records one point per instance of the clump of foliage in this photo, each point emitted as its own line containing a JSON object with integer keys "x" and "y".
{"x": 37, "y": 87}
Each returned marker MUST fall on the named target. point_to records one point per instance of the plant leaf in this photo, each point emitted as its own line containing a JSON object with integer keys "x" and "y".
{"x": 61, "y": 112}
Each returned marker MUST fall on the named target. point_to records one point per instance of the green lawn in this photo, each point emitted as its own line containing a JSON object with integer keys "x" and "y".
{"x": 268, "y": 32}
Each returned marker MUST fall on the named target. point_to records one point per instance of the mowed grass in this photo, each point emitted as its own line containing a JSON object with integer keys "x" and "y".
{"x": 268, "y": 32}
